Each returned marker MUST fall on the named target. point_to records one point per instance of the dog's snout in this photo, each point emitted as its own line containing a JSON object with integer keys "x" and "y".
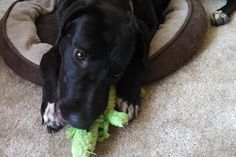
{"x": 78, "y": 119}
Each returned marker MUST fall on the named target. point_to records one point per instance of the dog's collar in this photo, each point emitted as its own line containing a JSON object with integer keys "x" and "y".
{"x": 131, "y": 3}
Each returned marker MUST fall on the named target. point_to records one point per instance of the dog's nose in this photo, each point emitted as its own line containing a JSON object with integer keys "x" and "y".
{"x": 79, "y": 121}
{"x": 76, "y": 119}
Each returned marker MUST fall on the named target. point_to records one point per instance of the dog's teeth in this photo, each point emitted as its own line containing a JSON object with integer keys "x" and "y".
{"x": 118, "y": 102}
{"x": 124, "y": 106}
{"x": 131, "y": 112}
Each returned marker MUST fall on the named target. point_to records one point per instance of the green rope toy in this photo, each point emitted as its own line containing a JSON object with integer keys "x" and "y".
{"x": 83, "y": 142}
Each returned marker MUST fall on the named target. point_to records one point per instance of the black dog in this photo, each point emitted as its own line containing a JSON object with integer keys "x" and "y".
{"x": 222, "y": 15}
{"x": 100, "y": 42}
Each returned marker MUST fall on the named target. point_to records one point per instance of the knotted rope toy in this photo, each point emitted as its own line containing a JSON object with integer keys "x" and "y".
{"x": 84, "y": 142}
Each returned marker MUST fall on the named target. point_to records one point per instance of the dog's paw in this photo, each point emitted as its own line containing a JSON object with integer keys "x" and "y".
{"x": 127, "y": 107}
{"x": 50, "y": 119}
{"x": 219, "y": 18}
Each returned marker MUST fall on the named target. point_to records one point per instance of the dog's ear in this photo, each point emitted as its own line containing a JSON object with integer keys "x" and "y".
{"x": 130, "y": 41}
{"x": 143, "y": 42}
{"x": 123, "y": 43}
{"x": 68, "y": 12}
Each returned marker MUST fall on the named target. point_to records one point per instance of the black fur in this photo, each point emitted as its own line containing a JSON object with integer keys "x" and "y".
{"x": 115, "y": 45}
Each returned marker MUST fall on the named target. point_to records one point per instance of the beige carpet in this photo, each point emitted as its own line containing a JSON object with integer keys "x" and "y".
{"x": 190, "y": 113}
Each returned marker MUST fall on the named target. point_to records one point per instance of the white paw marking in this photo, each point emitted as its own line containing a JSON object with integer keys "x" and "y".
{"x": 131, "y": 110}
{"x": 49, "y": 116}
{"x": 219, "y": 18}
{"x": 136, "y": 111}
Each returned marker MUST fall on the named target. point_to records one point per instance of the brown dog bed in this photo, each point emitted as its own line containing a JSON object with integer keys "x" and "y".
{"x": 28, "y": 29}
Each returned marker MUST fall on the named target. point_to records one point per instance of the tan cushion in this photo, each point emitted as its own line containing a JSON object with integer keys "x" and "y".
{"x": 21, "y": 29}
{"x": 176, "y": 14}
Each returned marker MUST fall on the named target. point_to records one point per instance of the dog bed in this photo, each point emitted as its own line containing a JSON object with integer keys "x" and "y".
{"x": 28, "y": 29}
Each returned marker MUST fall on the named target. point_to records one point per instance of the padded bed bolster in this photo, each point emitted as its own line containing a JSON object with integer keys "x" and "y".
{"x": 181, "y": 46}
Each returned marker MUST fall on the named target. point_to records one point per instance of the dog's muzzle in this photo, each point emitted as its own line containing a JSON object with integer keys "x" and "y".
{"x": 59, "y": 116}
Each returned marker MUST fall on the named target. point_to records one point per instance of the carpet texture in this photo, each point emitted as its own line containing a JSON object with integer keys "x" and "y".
{"x": 189, "y": 113}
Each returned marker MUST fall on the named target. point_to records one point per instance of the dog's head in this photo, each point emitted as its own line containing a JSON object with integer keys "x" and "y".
{"x": 96, "y": 43}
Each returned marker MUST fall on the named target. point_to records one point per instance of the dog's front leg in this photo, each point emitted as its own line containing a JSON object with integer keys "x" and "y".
{"x": 129, "y": 89}
{"x": 49, "y": 66}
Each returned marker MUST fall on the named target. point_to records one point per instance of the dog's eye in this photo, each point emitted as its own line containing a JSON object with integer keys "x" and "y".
{"x": 80, "y": 55}
{"x": 117, "y": 75}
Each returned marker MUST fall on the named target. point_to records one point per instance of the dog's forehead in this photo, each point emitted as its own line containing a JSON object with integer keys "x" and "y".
{"x": 86, "y": 33}
{"x": 90, "y": 21}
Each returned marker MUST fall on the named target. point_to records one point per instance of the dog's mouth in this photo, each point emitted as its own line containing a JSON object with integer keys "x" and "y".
{"x": 59, "y": 116}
